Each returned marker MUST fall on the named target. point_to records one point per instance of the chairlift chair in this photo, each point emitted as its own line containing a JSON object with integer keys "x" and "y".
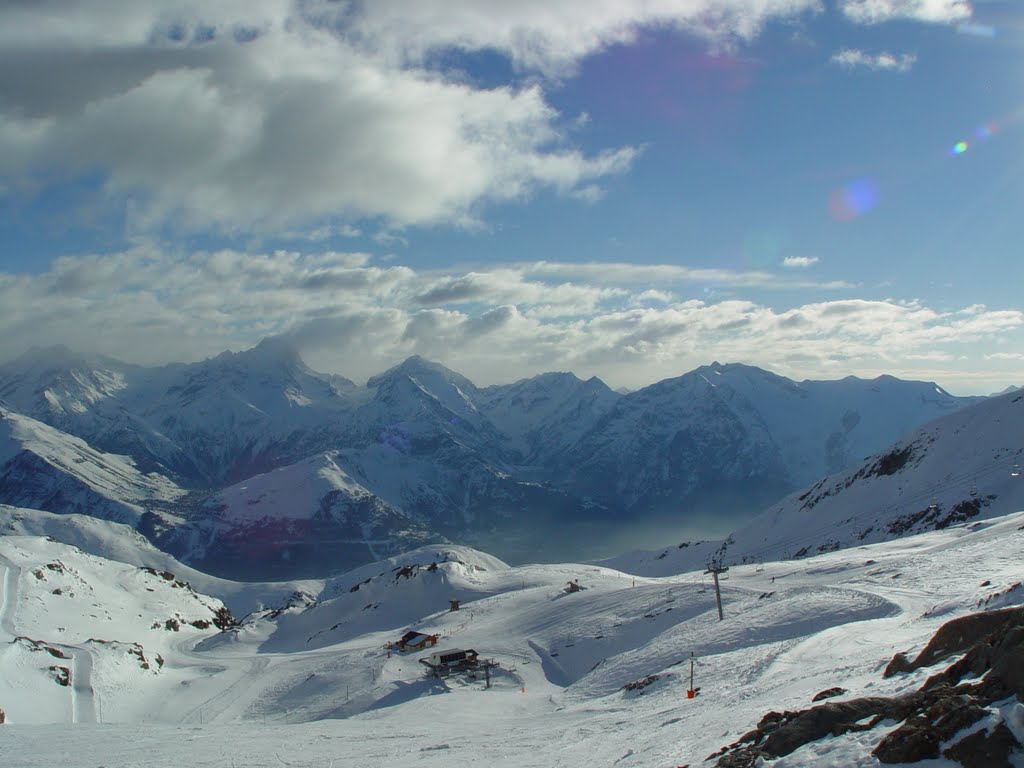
{"x": 1015, "y": 472}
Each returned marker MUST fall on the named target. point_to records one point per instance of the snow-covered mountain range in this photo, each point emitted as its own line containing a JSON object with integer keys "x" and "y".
{"x": 419, "y": 453}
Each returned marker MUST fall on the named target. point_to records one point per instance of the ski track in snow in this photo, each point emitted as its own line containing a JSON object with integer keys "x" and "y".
{"x": 213, "y": 709}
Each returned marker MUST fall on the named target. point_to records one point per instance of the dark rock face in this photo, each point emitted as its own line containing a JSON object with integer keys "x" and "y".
{"x": 992, "y": 645}
{"x": 983, "y": 749}
{"x": 829, "y": 693}
{"x": 963, "y": 634}
{"x": 912, "y": 742}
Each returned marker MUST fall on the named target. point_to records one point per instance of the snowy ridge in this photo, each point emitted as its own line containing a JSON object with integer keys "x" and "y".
{"x": 43, "y": 467}
{"x": 123, "y": 544}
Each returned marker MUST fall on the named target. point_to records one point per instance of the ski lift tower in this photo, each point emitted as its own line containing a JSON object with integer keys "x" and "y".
{"x": 715, "y": 568}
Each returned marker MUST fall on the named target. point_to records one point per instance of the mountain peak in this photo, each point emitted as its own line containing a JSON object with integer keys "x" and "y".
{"x": 417, "y": 367}
{"x": 271, "y": 351}
{"x": 277, "y": 347}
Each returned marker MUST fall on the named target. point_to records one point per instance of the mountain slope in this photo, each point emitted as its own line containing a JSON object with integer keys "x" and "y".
{"x": 44, "y": 468}
{"x": 206, "y": 423}
{"x": 546, "y": 414}
{"x": 83, "y": 634}
{"x": 964, "y": 466}
{"x": 673, "y": 446}
{"x": 304, "y": 520}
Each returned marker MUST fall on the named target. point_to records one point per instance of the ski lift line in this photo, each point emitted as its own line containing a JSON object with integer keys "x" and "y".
{"x": 986, "y": 470}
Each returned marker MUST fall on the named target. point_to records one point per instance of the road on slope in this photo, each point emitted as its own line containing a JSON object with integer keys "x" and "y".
{"x": 83, "y": 699}
{"x": 8, "y": 596}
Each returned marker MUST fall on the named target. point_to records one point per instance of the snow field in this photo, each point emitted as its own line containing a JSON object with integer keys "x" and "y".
{"x": 287, "y": 690}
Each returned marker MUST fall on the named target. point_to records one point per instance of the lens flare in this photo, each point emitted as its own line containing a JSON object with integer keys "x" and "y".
{"x": 856, "y": 198}
{"x": 959, "y": 148}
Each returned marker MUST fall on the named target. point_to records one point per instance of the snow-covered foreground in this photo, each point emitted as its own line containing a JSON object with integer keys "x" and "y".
{"x": 314, "y": 684}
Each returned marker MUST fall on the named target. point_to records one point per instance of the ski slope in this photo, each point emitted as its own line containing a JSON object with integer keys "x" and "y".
{"x": 313, "y": 683}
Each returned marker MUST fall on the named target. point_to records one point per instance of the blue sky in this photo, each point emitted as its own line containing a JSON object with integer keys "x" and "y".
{"x": 621, "y": 189}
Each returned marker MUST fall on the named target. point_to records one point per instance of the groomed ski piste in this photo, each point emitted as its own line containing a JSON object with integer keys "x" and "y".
{"x": 595, "y": 677}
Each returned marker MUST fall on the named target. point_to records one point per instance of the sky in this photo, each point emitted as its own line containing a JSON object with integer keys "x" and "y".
{"x": 626, "y": 189}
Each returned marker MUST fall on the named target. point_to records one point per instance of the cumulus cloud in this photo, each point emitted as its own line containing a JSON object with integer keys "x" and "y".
{"x": 851, "y": 58}
{"x": 277, "y": 115}
{"x": 352, "y": 316}
{"x": 875, "y": 11}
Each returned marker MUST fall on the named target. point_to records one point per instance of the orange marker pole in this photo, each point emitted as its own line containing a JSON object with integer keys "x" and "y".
{"x": 691, "y": 692}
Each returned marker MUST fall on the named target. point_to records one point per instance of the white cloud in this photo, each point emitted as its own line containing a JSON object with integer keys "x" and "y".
{"x": 624, "y": 273}
{"x": 272, "y": 114}
{"x": 352, "y": 316}
{"x": 800, "y": 262}
{"x": 851, "y": 58}
{"x": 875, "y": 11}
{"x": 652, "y": 295}
{"x": 551, "y": 36}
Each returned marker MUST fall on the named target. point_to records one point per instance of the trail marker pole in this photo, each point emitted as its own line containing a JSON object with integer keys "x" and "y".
{"x": 714, "y": 569}
{"x": 691, "y": 692}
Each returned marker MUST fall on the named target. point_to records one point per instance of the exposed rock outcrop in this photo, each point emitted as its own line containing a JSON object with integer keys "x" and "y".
{"x": 992, "y": 648}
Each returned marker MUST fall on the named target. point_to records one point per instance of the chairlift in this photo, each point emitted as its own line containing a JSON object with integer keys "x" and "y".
{"x": 702, "y": 587}
{"x": 933, "y": 506}
{"x": 974, "y": 489}
{"x": 1015, "y": 472}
